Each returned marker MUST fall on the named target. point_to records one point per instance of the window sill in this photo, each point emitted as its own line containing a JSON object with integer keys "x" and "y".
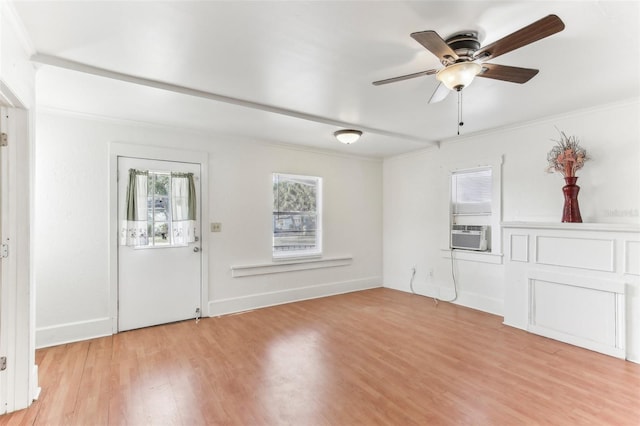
{"x": 281, "y": 266}
{"x": 473, "y": 256}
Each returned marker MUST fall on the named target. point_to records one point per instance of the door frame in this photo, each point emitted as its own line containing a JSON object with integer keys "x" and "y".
{"x": 120, "y": 149}
{"x": 19, "y": 381}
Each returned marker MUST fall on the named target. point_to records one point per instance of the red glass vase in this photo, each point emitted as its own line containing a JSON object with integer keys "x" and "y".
{"x": 571, "y": 211}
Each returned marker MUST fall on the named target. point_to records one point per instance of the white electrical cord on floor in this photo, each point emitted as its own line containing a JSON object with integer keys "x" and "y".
{"x": 453, "y": 276}
{"x": 435, "y": 299}
{"x": 413, "y": 275}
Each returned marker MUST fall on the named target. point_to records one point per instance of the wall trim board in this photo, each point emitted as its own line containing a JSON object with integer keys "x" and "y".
{"x": 572, "y": 252}
{"x": 593, "y": 226}
{"x": 480, "y": 302}
{"x": 631, "y": 258}
{"x": 519, "y": 248}
{"x": 263, "y": 300}
{"x": 633, "y": 357}
{"x": 473, "y": 256}
{"x": 238, "y": 271}
{"x": 467, "y": 299}
{"x": 579, "y": 280}
{"x": 72, "y": 332}
{"x": 577, "y": 341}
{"x": 543, "y": 120}
{"x": 412, "y": 154}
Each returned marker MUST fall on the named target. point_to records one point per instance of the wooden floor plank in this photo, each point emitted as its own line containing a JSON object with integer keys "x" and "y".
{"x": 376, "y": 357}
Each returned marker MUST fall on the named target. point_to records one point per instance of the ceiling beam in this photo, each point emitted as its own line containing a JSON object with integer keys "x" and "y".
{"x": 55, "y": 61}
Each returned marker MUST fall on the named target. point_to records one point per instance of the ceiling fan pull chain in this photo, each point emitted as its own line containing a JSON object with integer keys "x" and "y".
{"x": 460, "y": 122}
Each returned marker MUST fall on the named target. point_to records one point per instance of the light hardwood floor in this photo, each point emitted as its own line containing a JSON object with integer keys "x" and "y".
{"x": 377, "y": 357}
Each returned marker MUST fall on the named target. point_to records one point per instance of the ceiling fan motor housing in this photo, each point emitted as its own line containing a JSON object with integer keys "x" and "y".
{"x": 465, "y": 44}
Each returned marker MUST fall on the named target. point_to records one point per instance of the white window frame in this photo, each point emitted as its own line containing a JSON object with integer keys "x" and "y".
{"x": 493, "y": 219}
{"x": 299, "y": 254}
{"x": 471, "y": 208}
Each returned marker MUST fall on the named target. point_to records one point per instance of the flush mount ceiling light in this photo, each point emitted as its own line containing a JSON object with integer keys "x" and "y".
{"x": 459, "y": 75}
{"x": 347, "y": 136}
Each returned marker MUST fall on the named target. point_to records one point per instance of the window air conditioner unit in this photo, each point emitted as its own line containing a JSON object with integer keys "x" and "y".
{"x": 469, "y": 237}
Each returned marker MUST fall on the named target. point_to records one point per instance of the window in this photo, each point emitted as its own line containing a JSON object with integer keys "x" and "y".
{"x": 160, "y": 209}
{"x": 297, "y": 223}
{"x": 475, "y": 200}
{"x": 158, "y": 212}
{"x": 471, "y": 192}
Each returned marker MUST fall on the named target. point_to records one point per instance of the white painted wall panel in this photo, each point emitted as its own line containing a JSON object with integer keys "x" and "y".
{"x": 586, "y": 253}
{"x": 632, "y": 257}
{"x": 563, "y": 299}
{"x": 519, "y": 248}
{"x": 581, "y": 313}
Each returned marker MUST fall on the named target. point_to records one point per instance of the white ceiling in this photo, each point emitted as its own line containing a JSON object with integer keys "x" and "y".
{"x": 295, "y": 71}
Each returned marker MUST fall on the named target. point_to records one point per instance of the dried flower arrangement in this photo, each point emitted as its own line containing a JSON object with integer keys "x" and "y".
{"x": 567, "y": 156}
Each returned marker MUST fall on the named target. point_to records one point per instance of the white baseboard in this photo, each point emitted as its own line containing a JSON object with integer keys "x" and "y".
{"x": 35, "y": 388}
{"x": 263, "y": 300}
{"x": 583, "y": 342}
{"x": 470, "y": 300}
{"x": 73, "y": 332}
{"x": 481, "y": 303}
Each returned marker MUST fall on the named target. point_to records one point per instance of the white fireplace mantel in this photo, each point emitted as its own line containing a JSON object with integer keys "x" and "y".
{"x": 603, "y": 227}
{"x": 575, "y": 282}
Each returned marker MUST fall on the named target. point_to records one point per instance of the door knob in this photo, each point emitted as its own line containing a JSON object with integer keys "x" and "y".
{"x": 196, "y": 249}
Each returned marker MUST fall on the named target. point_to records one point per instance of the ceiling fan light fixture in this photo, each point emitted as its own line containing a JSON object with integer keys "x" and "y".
{"x": 459, "y": 75}
{"x": 347, "y": 136}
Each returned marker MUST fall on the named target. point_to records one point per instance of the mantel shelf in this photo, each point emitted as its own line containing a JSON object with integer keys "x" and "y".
{"x": 605, "y": 227}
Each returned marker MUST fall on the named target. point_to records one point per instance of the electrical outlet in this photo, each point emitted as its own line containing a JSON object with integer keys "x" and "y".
{"x": 216, "y": 227}
{"x": 431, "y": 272}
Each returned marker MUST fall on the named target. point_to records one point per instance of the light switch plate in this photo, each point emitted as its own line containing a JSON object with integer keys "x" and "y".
{"x": 216, "y": 227}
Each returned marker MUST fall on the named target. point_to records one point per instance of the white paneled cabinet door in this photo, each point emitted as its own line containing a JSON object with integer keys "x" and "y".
{"x": 159, "y": 256}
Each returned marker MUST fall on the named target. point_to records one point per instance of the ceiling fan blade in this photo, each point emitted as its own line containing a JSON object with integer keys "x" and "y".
{"x": 540, "y": 29}
{"x": 435, "y": 44}
{"x": 404, "y": 77}
{"x": 507, "y": 73}
{"x": 439, "y": 94}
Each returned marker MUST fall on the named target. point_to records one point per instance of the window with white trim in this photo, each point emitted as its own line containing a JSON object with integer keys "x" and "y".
{"x": 475, "y": 199}
{"x": 297, "y": 216}
{"x": 471, "y": 192}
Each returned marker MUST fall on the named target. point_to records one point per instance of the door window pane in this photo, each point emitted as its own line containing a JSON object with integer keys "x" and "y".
{"x": 158, "y": 222}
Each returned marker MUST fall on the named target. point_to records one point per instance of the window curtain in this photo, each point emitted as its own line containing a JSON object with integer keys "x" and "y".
{"x": 183, "y": 208}
{"x": 134, "y": 231}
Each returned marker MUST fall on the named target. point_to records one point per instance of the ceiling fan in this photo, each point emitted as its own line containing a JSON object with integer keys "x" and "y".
{"x": 463, "y": 57}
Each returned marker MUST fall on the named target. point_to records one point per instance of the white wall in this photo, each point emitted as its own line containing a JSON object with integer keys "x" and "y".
{"x": 72, "y": 215}
{"x": 71, "y": 246}
{"x": 416, "y": 195}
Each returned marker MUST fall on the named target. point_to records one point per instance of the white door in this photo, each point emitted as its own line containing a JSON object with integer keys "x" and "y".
{"x": 159, "y": 279}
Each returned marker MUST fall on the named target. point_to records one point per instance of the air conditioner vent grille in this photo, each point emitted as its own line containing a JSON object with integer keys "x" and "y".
{"x": 469, "y": 237}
